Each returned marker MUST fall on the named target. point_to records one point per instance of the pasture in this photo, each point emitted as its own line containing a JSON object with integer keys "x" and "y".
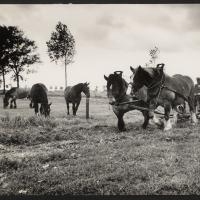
{"x": 71, "y": 155}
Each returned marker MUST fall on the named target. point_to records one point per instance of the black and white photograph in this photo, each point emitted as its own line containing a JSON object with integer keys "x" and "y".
{"x": 99, "y": 99}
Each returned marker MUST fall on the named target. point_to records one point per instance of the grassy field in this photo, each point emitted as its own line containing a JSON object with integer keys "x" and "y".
{"x": 71, "y": 155}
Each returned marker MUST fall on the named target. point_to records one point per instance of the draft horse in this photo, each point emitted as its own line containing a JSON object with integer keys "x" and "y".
{"x": 15, "y": 93}
{"x": 166, "y": 91}
{"x": 72, "y": 95}
{"x": 38, "y": 95}
{"x": 116, "y": 93}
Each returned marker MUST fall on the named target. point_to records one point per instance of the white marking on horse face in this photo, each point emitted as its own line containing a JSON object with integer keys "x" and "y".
{"x": 167, "y": 125}
{"x": 193, "y": 118}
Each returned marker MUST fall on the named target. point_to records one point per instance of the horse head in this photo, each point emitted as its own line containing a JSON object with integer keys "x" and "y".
{"x": 86, "y": 89}
{"x": 146, "y": 76}
{"x": 116, "y": 86}
{"x": 45, "y": 109}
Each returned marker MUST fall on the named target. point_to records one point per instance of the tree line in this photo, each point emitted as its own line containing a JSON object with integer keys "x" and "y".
{"x": 18, "y": 53}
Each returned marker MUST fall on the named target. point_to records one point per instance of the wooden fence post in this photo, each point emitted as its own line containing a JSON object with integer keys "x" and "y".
{"x": 87, "y": 108}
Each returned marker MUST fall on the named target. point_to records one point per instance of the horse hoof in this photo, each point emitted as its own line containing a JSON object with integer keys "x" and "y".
{"x": 122, "y": 130}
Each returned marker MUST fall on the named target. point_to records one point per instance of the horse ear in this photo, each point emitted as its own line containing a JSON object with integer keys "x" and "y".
{"x": 160, "y": 66}
{"x": 132, "y": 69}
{"x": 106, "y": 78}
{"x": 140, "y": 68}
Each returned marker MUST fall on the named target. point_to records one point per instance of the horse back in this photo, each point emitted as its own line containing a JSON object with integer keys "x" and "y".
{"x": 38, "y": 93}
{"x": 71, "y": 94}
{"x": 180, "y": 83}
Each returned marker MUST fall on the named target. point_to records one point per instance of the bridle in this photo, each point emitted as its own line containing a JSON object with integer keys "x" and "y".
{"x": 123, "y": 94}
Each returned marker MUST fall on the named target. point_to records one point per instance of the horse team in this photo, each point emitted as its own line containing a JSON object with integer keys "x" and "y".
{"x": 151, "y": 87}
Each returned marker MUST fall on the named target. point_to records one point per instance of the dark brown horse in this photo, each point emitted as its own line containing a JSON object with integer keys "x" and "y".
{"x": 15, "y": 93}
{"x": 116, "y": 92}
{"x": 166, "y": 91}
{"x": 73, "y": 95}
{"x": 38, "y": 95}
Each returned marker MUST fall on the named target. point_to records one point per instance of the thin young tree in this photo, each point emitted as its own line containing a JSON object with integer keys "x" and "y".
{"x": 61, "y": 46}
{"x": 154, "y": 55}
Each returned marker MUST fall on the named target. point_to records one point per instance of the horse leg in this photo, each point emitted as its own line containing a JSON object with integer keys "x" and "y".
{"x": 77, "y": 105}
{"x": 11, "y": 105}
{"x": 192, "y": 107}
{"x": 15, "y": 105}
{"x": 152, "y": 116}
{"x": 36, "y": 108}
{"x": 74, "y": 109}
{"x": 67, "y": 108}
{"x": 146, "y": 119}
{"x": 167, "y": 122}
{"x": 31, "y": 104}
{"x": 120, "y": 123}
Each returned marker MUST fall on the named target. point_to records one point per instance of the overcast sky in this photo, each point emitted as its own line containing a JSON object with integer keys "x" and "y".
{"x": 111, "y": 37}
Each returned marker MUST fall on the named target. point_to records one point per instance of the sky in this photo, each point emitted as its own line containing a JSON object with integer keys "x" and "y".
{"x": 110, "y": 37}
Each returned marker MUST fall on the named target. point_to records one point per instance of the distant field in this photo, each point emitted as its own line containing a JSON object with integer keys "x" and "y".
{"x": 71, "y": 155}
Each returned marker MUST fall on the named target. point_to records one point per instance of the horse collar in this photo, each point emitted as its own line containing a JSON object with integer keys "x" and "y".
{"x": 154, "y": 86}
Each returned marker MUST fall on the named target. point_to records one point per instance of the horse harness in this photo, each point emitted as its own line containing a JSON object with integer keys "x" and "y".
{"x": 162, "y": 85}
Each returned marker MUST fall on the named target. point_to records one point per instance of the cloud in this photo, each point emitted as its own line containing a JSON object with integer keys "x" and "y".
{"x": 110, "y": 21}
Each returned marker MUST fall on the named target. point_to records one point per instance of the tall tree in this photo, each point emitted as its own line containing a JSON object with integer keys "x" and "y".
{"x": 22, "y": 54}
{"x": 61, "y": 46}
{"x": 5, "y": 46}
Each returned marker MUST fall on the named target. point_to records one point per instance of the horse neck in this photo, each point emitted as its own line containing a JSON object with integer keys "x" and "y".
{"x": 155, "y": 81}
{"x": 78, "y": 89}
{"x": 123, "y": 90}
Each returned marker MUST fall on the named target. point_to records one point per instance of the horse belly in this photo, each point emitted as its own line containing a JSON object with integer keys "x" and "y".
{"x": 165, "y": 97}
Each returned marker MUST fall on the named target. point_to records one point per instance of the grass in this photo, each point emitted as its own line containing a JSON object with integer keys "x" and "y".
{"x": 71, "y": 155}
